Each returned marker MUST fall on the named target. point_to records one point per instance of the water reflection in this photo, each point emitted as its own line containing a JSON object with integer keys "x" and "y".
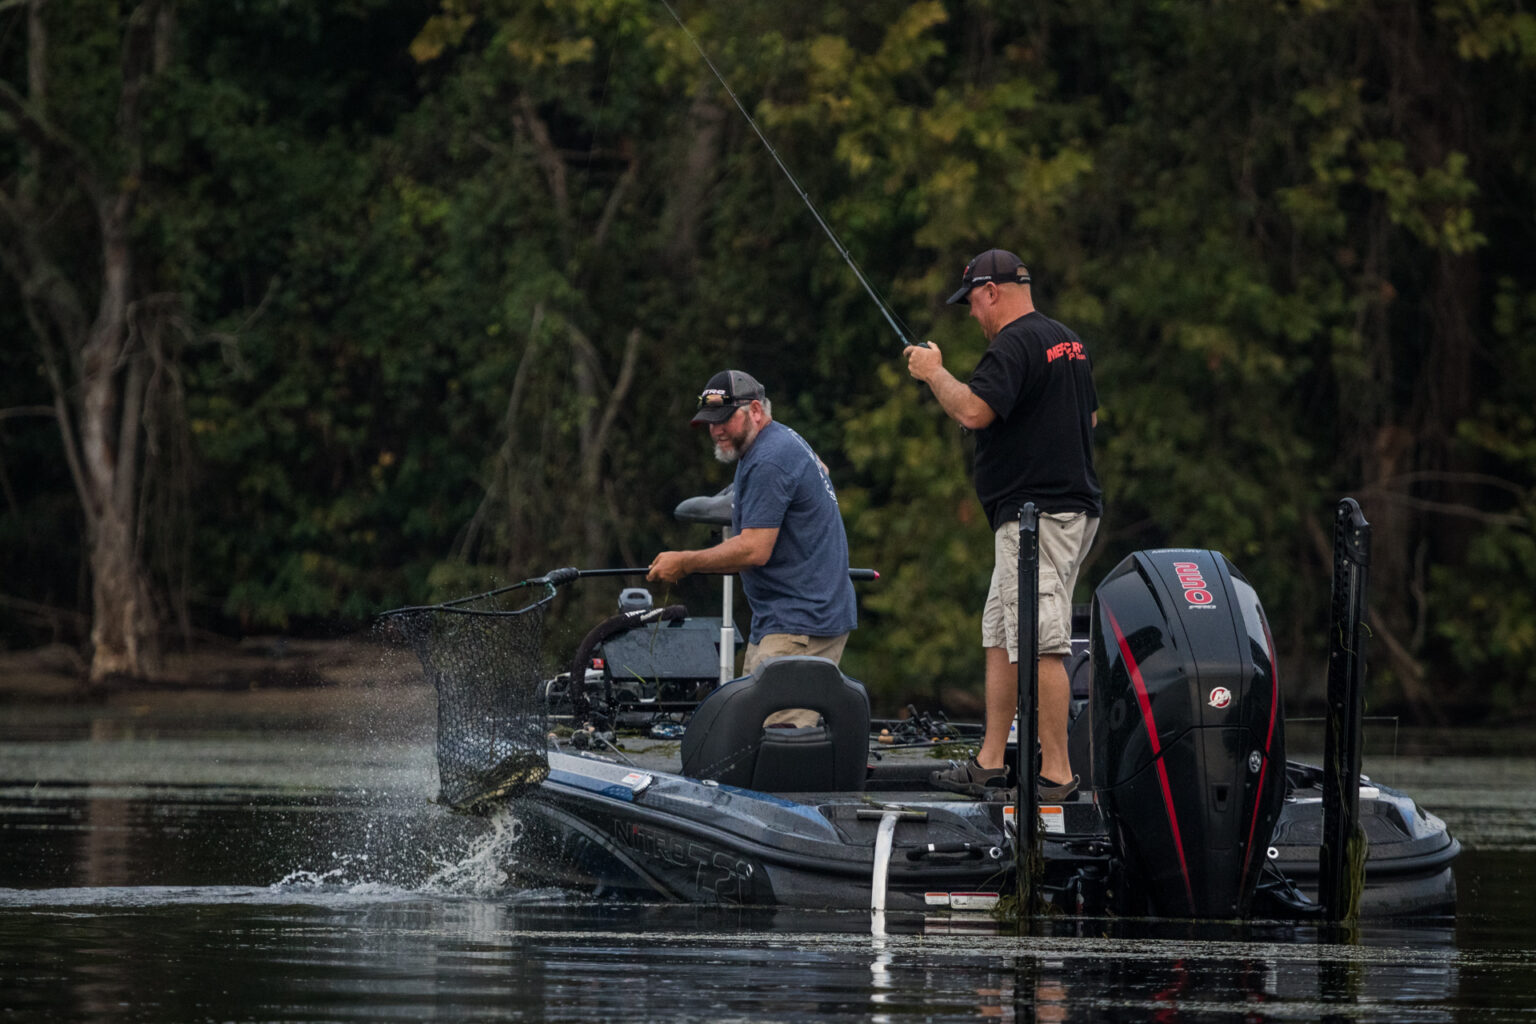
{"x": 313, "y": 951}
{"x": 1163, "y": 980}
{"x": 298, "y": 877}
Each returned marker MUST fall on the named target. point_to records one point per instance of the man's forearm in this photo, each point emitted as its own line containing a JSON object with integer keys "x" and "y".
{"x": 730, "y": 555}
{"x": 746, "y": 550}
{"x": 949, "y": 391}
{"x": 959, "y": 401}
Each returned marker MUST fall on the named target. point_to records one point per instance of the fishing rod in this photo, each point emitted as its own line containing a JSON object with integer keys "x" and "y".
{"x": 842, "y": 250}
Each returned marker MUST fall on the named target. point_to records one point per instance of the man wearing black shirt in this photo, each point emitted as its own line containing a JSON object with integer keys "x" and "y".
{"x": 1032, "y": 403}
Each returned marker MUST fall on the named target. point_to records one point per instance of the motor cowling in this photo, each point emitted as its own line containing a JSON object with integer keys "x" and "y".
{"x": 1187, "y": 738}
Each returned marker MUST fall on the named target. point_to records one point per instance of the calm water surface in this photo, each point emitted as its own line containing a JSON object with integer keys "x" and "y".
{"x": 276, "y": 857}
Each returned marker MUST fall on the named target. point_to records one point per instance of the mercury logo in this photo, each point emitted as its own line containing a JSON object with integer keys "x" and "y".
{"x": 1195, "y": 590}
{"x": 1221, "y": 697}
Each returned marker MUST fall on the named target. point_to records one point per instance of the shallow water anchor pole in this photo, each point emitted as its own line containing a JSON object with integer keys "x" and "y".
{"x": 1029, "y": 862}
{"x": 1341, "y": 857}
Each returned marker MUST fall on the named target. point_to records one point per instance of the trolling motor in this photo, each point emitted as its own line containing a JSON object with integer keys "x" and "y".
{"x": 602, "y": 716}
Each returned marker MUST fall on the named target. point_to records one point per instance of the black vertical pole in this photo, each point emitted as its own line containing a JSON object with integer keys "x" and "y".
{"x": 1341, "y": 858}
{"x": 1028, "y": 856}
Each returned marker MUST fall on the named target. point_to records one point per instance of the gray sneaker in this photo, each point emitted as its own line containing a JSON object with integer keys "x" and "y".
{"x": 970, "y": 778}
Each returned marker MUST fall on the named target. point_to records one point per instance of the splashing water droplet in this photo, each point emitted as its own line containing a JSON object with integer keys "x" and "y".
{"x": 479, "y": 872}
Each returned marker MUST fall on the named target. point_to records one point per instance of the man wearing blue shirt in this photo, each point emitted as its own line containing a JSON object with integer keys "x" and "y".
{"x": 787, "y": 543}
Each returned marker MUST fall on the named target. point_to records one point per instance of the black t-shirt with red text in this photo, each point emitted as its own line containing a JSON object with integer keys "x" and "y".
{"x": 1038, "y": 379}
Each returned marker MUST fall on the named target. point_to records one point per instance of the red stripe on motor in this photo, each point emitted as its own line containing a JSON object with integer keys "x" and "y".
{"x": 1145, "y": 700}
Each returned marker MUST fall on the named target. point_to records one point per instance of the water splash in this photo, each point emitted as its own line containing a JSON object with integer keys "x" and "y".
{"x": 465, "y": 865}
{"x": 350, "y": 871}
{"x": 479, "y": 872}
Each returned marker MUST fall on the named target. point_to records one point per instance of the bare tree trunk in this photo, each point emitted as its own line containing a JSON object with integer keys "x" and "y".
{"x": 600, "y": 387}
{"x": 686, "y": 197}
{"x": 100, "y": 386}
{"x": 124, "y": 625}
{"x": 601, "y": 399}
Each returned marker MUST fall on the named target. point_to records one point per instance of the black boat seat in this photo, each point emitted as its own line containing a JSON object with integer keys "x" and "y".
{"x": 726, "y": 741}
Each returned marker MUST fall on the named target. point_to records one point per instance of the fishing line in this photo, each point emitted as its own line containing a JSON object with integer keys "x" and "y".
{"x": 842, "y": 250}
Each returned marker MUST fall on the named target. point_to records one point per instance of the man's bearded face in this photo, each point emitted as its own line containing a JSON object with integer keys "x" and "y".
{"x": 733, "y": 437}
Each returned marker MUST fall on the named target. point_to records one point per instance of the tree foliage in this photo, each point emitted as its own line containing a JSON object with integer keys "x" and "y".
{"x": 445, "y": 274}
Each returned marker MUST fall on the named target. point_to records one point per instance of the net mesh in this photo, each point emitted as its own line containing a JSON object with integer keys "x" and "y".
{"x": 482, "y": 656}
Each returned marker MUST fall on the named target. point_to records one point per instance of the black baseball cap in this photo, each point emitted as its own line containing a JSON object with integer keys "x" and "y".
{"x": 726, "y": 392}
{"x": 996, "y": 265}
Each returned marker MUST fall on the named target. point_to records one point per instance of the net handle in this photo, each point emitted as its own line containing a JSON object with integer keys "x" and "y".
{"x": 556, "y": 578}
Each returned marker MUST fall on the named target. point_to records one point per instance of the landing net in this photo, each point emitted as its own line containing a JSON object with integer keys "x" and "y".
{"x": 481, "y": 655}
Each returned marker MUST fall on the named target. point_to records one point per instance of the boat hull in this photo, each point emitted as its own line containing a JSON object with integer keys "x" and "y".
{"x": 621, "y": 832}
{"x": 618, "y": 831}
{"x": 1408, "y": 867}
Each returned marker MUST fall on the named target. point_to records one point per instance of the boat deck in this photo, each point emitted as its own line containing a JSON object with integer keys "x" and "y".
{"x": 898, "y": 777}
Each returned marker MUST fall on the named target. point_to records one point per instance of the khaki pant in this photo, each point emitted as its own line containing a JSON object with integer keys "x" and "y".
{"x": 1065, "y": 538}
{"x": 783, "y": 645}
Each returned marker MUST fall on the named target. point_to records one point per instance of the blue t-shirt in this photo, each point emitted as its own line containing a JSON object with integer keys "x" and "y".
{"x": 804, "y": 587}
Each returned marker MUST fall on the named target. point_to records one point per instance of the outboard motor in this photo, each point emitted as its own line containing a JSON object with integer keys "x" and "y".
{"x": 1188, "y": 753}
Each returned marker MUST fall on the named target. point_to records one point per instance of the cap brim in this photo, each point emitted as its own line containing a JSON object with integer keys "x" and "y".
{"x": 960, "y": 296}
{"x": 714, "y": 414}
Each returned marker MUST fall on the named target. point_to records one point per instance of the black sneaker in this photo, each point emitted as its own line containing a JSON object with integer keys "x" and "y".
{"x": 969, "y": 778}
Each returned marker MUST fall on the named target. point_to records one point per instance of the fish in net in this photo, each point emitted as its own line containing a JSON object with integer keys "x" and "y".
{"x": 482, "y": 656}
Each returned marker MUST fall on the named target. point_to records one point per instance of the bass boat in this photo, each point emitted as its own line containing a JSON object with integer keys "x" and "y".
{"x": 1189, "y": 808}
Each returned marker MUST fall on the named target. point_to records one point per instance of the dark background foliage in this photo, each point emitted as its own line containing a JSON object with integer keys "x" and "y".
{"x": 445, "y": 276}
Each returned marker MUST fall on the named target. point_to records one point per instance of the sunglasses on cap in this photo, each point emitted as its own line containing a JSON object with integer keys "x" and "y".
{"x": 715, "y": 400}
